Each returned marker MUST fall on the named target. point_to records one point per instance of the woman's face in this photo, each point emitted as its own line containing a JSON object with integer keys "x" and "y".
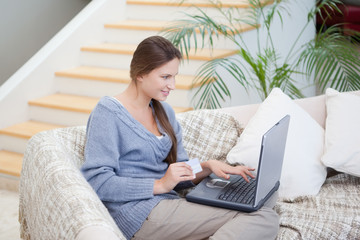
{"x": 159, "y": 82}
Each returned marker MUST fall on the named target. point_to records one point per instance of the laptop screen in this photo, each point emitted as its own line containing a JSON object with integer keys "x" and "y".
{"x": 271, "y": 158}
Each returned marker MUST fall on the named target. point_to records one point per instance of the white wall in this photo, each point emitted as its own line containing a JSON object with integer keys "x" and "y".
{"x": 26, "y": 26}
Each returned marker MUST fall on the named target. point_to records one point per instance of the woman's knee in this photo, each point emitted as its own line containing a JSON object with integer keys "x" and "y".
{"x": 268, "y": 219}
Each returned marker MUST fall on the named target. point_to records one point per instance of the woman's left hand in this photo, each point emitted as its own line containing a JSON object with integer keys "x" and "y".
{"x": 223, "y": 170}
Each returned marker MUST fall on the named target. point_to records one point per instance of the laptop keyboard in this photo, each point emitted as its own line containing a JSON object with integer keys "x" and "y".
{"x": 240, "y": 191}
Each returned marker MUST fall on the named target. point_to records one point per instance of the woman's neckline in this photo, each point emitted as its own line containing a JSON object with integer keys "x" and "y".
{"x": 118, "y": 101}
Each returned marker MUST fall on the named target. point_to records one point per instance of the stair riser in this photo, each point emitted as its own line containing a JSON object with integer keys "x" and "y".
{"x": 58, "y": 116}
{"x": 166, "y": 13}
{"x": 107, "y": 60}
{"x": 93, "y": 88}
{"x": 135, "y": 36}
{"x": 110, "y": 60}
{"x": 127, "y": 36}
{"x": 13, "y": 144}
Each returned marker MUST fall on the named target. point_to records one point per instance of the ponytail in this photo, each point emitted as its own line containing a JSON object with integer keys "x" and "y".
{"x": 160, "y": 114}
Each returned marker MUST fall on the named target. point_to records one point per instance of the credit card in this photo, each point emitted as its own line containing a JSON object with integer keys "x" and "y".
{"x": 195, "y": 165}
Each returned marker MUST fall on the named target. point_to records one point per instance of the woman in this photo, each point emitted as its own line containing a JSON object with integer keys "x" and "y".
{"x": 135, "y": 160}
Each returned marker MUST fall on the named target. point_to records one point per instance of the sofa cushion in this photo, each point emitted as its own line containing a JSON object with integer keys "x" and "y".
{"x": 342, "y": 141}
{"x": 208, "y": 134}
{"x": 302, "y": 172}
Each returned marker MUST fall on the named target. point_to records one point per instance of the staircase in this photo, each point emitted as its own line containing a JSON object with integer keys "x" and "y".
{"x": 103, "y": 70}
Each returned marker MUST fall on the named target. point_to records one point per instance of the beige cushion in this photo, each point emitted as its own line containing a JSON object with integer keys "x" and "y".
{"x": 208, "y": 134}
{"x": 342, "y": 136}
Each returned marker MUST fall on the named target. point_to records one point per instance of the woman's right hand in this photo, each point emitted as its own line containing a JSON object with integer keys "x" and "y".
{"x": 176, "y": 172}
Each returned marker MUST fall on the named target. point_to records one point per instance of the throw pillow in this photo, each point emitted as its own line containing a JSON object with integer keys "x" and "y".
{"x": 208, "y": 134}
{"x": 342, "y": 137}
{"x": 302, "y": 172}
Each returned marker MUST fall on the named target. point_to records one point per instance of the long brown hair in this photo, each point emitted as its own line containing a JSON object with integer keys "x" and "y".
{"x": 150, "y": 54}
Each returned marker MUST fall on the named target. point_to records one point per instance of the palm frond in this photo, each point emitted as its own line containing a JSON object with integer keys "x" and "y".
{"x": 270, "y": 74}
{"x": 333, "y": 60}
{"x": 327, "y": 7}
{"x": 213, "y": 86}
{"x": 183, "y": 33}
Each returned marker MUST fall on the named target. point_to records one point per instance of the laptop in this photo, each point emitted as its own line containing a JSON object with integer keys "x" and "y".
{"x": 218, "y": 192}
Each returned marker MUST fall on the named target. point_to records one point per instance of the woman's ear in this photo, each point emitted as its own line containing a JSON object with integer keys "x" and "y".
{"x": 139, "y": 79}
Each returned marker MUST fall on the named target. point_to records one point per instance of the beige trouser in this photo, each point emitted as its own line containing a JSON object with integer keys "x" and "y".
{"x": 179, "y": 219}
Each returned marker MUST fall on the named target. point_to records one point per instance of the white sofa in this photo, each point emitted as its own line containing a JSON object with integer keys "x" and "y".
{"x": 57, "y": 203}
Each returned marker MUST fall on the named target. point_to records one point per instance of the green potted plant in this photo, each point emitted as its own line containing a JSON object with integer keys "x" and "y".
{"x": 331, "y": 59}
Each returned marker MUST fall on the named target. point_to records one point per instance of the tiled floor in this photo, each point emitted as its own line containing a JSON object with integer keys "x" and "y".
{"x": 9, "y": 224}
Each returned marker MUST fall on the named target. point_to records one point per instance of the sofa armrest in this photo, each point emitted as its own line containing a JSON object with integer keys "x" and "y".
{"x": 56, "y": 202}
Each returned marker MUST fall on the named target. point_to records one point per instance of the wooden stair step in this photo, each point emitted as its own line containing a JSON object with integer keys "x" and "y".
{"x": 28, "y": 129}
{"x": 188, "y": 3}
{"x": 66, "y": 102}
{"x": 117, "y": 75}
{"x": 10, "y": 163}
{"x": 76, "y": 103}
{"x": 201, "y": 54}
{"x": 158, "y": 25}
{"x": 132, "y": 24}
